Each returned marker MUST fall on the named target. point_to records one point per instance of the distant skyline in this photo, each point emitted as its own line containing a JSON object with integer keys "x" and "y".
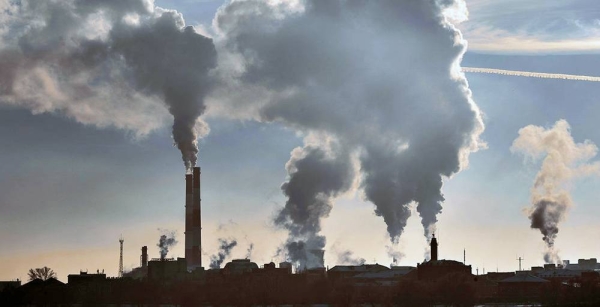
{"x": 68, "y": 190}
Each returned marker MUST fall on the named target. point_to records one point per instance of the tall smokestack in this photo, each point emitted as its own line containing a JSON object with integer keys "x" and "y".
{"x": 196, "y": 225}
{"x": 144, "y": 257}
{"x": 189, "y": 235}
{"x": 434, "y": 251}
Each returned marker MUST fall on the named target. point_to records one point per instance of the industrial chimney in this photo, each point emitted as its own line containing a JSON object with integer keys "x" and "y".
{"x": 144, "y": 257}
{"x": 434, "y": 249}
{"x": 193, "y": 224}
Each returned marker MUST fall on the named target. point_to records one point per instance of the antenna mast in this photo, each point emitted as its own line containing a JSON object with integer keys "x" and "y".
{"x": 520, "y": 259}
{"x": 121, "y": 240}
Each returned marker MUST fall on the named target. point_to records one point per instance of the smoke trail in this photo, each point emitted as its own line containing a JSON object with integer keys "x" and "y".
{"x": 316, "y": 176}
{"x": 563, "y": 160}
{"x": 225, "y": 247}
{"x": 530, "y": 74}
{"x": 249, "y": 251}
{"x": 107, "y": 63}
{"x": 375, "y": 78}
{"x": 347, "y": 257}
{"x": 166, "y": 241}
{"x": 395, "y": 254}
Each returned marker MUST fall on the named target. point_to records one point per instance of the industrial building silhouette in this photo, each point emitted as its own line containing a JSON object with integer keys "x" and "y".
{"x": 185, "y": 282}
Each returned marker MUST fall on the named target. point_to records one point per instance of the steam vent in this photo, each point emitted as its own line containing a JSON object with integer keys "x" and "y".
{"x": 193, "y": 241}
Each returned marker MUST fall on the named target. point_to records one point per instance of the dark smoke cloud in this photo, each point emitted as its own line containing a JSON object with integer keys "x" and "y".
{"x": 165, "y": 242}
{"x": 379, "y": 79}
{"x": 316, "y": 176}
{"x": 107, "y": 63}
{"x": 563, "y": 160}
{"x": 347, "y": 257}
{"x": 225, "y": 247}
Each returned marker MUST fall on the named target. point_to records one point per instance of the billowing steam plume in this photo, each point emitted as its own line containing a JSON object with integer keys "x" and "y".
{"x": 107, "y": 63}
{"x": 347, "y": 257}
{"x": 375, "y": 88}
{"x": 225, "y": 247}
{"x": 530, "y": 74}
{"x": 316, "y": 176}
{"x": 165, "y": 242}
{"x": 563, "y": 160}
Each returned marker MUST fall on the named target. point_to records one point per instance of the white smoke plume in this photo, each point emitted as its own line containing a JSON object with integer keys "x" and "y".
{"x": 562, "y": 161}
{"x": 529, "y": 74}
{"x": 123, "y": 64}
{"x": 366, "y": 81}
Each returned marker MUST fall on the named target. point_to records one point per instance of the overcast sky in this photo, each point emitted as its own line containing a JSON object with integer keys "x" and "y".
{"x": 69, "y": 188}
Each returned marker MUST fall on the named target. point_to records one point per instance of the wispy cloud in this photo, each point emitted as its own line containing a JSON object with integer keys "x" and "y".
{"x": 533, "y": 26}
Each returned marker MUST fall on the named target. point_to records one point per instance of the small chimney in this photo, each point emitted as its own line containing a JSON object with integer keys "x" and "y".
{"x": 144, "y": 257}
{"x": 434, "y": 249}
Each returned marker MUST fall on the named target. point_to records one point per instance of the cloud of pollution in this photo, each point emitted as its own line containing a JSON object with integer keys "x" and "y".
{"x": 165, "y": 242}
{"x": 107, "y": 63}
{"x": 225, "y": 247}
{"x": 562, "y": 161}
{"x": 374, "y": 87}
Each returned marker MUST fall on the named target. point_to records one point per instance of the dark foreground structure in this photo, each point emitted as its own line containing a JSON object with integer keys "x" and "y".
{"x": 243, "y": 283}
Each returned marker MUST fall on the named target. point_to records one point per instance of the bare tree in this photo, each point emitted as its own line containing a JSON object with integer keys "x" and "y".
{"x": 44, "y": 273}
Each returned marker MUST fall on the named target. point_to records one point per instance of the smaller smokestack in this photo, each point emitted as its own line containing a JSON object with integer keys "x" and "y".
{"x": 144, "y": 257}
{"x": 434, "y": 248}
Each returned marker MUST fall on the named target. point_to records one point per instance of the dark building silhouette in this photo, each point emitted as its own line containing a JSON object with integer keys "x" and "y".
{"x": 348, "y": 271}
{"x": 521, "y": 285}
{"x": 240, "y": 266}
{"x": 9, "y": 284}
{"x": 435, "y": 269}
{"x": 141, "y": 271}
{"x": 167, "y": 269}
{"x": 85, "y": 277}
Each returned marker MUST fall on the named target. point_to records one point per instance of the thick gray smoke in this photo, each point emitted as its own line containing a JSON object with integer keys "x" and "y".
{"x": 225, "y": 247}
{"x": 347, "y": 257}
{"x": 165, "y": 242}
{"x": 107, "y": 63}
{"x": 316, "y": 176}
{"x": 378, "y": 79}
{"x": 563, "y": 160}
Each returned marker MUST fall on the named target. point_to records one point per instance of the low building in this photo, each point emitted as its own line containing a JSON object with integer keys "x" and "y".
{"x": 9, "y": 284}
{"x": 85, "y": 277}
{"x": 435, "y": 269}
{"x": 167, "y": 269}
{"x": 349, "y": 271}
{"x": 522, "y": 285}
{"x": 240, "y": 266}
{"x": 386, "y": 278}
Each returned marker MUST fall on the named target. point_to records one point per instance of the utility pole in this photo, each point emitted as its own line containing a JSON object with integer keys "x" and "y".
{"x": 121, "y": 240}
{"x": 520, "y": 259}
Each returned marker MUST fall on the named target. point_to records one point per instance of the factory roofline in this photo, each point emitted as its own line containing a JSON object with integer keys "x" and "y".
{"x": 443, "y": 263}
{"x": 358, "y": 268}
{"x": 523, "y": 277}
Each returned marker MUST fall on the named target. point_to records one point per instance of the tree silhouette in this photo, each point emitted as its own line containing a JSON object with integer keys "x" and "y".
{"x": 44, "y": 273}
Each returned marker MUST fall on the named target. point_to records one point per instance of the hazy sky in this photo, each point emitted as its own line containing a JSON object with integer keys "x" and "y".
{"x": 69, "y": 189}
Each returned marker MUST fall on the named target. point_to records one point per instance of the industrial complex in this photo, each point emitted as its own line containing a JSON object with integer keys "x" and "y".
{"x": 186, "y": 282}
